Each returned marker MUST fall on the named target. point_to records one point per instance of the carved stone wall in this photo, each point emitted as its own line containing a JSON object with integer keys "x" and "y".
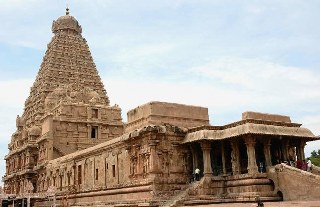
{"x": 147, "y": 157}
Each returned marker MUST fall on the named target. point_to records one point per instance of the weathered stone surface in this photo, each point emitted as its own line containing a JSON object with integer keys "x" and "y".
{"x": 295, "y": 184}
{"x": 265, "y": 117}
{"x": 159, "y": 113}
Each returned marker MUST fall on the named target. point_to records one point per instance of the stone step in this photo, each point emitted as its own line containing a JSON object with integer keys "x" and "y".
{"x": 192, "y": 201}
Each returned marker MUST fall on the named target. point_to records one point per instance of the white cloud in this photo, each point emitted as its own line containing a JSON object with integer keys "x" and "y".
{"x": 249, "y": 72}
{"x": 312, "y": 122}
{"x": 229, "y": 85}
{"x": 278, "y": 82}
{"x": 143, "y": 53}
{"x": 14, "y": 93}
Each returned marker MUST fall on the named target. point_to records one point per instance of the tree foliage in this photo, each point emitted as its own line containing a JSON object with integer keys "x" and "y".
{"x": 315, "y": 157}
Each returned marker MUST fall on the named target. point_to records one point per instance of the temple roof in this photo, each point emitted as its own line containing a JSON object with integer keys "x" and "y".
{"x": 248, "y": 127}
{"x": 66, "y": 22}
{"x": 67, "y": 64}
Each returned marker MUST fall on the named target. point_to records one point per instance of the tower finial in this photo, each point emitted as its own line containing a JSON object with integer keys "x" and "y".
{"x": 67, "y": 9}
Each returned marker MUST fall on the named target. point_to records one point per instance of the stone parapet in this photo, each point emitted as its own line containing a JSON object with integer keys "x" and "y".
{"x": 159, "y": 113}
{"x": 264, "y": 116}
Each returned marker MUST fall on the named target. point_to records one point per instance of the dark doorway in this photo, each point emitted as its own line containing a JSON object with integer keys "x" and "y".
{"x": 260, "y": 158}
{"x": 227, "y": 149}
{"x": 216, "y": 158}
{"x": 243, "y": 157}
{"x": 197, "y": 158}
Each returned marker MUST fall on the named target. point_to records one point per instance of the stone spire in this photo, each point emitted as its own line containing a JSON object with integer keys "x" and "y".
{"x": 66, "y": 66}
{"x": 67, "y": 10}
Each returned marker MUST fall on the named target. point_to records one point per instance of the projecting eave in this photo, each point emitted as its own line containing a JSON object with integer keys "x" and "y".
{"x": 249, "y": 128}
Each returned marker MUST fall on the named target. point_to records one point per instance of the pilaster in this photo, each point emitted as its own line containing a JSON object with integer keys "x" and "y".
{"x": 153, "y": 157}
{"x": 206, "y": 148}
{"x": 267, "y": 153}
{"x": 252, "y": 164}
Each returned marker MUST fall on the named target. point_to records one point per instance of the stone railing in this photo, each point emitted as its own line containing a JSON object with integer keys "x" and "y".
{"x": 315, "y": 170}
{"x": 289, "y": 181}
{"x": 283, "y": 167}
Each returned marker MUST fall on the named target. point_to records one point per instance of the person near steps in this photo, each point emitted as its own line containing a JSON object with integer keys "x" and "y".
{"x": 197, "y": 173}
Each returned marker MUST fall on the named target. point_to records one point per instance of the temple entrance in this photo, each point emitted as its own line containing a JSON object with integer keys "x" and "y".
{"x": 243, "y": 157}
{"x": 221, "y": 158}
{"x": 227, "y": 149}
{"x": 197, "y": 158}
{"x": 216, "y": 158}
{"x": 260, "y": 157}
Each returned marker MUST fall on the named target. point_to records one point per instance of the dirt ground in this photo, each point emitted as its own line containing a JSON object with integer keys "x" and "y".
{"x": 270, "y": 204}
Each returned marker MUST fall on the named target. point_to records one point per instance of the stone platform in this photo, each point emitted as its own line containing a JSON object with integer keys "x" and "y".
{"x": 268, "y": 204}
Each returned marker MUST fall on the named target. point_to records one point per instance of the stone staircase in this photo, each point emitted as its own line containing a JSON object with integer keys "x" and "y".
{"x": 178, "y": 199}
{"x": 229, "y": 189}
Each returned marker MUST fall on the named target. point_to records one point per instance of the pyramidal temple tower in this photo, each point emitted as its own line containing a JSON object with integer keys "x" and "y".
{"x": 67, "y": 64}
{"x": 67, "y": 109}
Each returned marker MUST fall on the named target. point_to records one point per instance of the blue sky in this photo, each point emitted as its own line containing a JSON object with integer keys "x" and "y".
{"x": 230, "y": 56}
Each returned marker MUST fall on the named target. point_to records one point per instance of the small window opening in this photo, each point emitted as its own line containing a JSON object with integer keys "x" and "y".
{"x": 79, "y": 174}
{"x": 97, "y": 174}
{"x": 113, "y": 170}
{"x": 94, "y": 132}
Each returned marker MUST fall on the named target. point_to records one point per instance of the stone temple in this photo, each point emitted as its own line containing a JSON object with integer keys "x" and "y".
{"x": 71, "y": 142}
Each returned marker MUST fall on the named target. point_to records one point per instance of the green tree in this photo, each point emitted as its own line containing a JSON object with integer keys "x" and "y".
{"x": 315, "y": 157}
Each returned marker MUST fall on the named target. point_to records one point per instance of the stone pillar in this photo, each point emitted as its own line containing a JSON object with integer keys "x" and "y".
{"x": 235, "y": 157}
{"x": 284, "y": 149}
{"x": 252, "y": 164}
{"x": 267, "y": 152}
{"x": 223, "y": 158}
{"x": 153, "y": 157}
{"x": 298, "y": 154}
{"x": 301, "y": 146}
{"x": 206, "y": 148}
